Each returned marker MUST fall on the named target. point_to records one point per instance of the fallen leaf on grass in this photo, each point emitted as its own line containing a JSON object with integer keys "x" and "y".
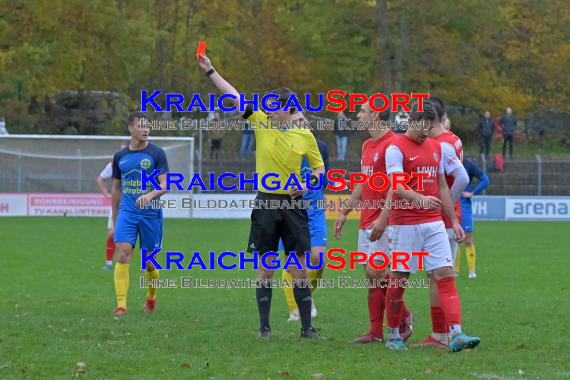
{"x": 115, "y": 342}
{"x": 185, "y": 365}
{"x": 428, "y": 371}
{"x": 80, "y": 368}
{"x": 284, "y": 373}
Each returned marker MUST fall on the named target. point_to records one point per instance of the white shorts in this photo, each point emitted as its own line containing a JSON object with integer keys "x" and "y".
{"x": 369, "y": 247}
{"x": 452, "y": 243}
{"x": 430, "y": 237}
{"x": 110, "y": 220}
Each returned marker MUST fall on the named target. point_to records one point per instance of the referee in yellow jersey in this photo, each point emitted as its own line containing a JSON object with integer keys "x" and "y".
{"x": 278, "y": 151}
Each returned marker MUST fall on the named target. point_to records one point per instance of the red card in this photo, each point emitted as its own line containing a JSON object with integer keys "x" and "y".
{"x": 201, "y": 49}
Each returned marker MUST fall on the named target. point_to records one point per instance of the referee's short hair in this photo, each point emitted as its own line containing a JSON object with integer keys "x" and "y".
{"x": 136, "y": 115}
{"x": 284, "y": 93}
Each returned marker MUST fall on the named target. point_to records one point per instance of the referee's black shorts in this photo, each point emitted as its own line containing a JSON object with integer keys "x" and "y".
{"x": 269, "y": 225}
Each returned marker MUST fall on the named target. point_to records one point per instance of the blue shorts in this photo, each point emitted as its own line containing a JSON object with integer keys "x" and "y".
{"x": 147, "y": 229}
{"x": 317, "y": 228}
{"x": 466, "y": 215}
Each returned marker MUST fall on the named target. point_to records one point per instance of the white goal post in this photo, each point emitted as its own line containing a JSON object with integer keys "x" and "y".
{"x": 71, "y": 163}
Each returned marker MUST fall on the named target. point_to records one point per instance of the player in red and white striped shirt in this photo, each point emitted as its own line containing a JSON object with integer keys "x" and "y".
{"x": 419, "y": 229}
{"x": 373, "y": 161}
{"x": 457, "y": 179}
{"x": 106, "y": 174}
{"x": 109, "y": 245}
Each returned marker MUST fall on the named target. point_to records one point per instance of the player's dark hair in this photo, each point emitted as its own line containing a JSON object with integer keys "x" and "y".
{"x": 439, "y": 106}
{"x": 284, "y": 93}
{"x": 429, "y": 112}
{"x": 136, "y": 115}
{"x": 384, "y": 115}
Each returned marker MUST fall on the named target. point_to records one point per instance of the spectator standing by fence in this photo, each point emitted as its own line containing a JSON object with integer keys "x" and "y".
{"x": 509, "y": 125}
{"x": 246, "y": 141}
{"x": 486, "y": 129}
{"x": 341, "y": 124}
{"x": 215, "y": 136}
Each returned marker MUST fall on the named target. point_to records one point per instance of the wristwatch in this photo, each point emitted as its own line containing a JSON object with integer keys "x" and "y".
{"x": 314, "y": 180}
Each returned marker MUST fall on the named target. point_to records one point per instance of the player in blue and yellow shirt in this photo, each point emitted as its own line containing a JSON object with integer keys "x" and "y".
{"x": 136, "y": 218}
{"x": 473, "y": 171}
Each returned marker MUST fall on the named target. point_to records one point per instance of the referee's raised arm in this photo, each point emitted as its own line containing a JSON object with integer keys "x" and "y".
{"x": 279, "y": 152}
{"x": 221, "y": 84}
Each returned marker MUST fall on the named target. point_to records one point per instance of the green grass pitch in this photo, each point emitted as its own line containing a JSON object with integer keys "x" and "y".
{"x": 56, "y": 304}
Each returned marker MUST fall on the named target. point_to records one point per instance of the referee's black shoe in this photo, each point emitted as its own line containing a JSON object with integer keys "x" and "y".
{"x": 311, "y": 333}
{"x": 264, "y": 333}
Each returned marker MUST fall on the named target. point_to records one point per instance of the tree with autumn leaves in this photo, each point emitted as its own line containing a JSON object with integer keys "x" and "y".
{"x": 478, "y": 54}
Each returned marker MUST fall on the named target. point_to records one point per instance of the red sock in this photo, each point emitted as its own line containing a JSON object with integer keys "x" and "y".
{"x": 394, "y": 306}
{"x": 376, "y": 303}
{"x": 438, "y": 322}
{"x": 405, "y": 311}
{"x": 449, "y": 301}
{"x": 110, "y": 246}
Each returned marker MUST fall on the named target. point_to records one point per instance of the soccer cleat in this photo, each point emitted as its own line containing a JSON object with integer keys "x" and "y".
{"x": 313, "y": 309}
{"x": 396, "y": 344}
{"x": 472, "y": 275}
{"x": 429, "y": 342}
{"x": 461, "y": 342}
{"x": 406, "y": 326}
{"x": 264, "y": 333}
{"x": 311, "y": 333}
{"x": 293, "y": 316}
{"x": 365, "y": 339}
{"x": 149, "y": 306}
{"x": 119, "y": 311}
{"x": 107, "y": 266}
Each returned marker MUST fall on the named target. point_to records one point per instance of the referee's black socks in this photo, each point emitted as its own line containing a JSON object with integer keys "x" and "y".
{"x": 304, "y": 301}
{"x": 263, "y": 294}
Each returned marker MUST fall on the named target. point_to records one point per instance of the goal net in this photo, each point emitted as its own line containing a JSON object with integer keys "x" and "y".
{"x": 71, "y": 164}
